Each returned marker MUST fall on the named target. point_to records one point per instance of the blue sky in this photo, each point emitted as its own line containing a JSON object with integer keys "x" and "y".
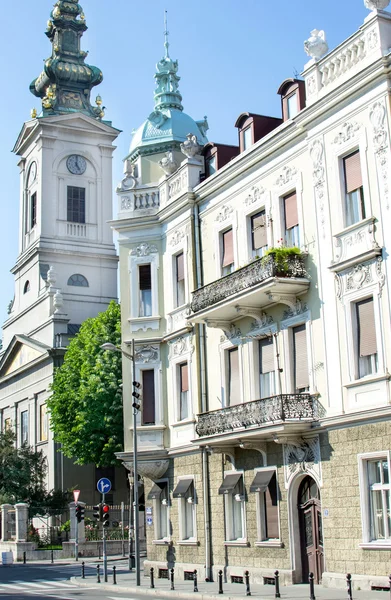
{"x": 232, "y": 58}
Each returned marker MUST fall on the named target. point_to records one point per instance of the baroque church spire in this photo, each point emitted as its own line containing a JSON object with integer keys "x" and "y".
{"x": 167, "y": 94}
{"x": 66, "y": 81}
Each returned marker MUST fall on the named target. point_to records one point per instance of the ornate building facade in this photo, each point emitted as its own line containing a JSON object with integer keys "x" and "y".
{"x": 255, "y": 282}
{"x": 66, "y": 270}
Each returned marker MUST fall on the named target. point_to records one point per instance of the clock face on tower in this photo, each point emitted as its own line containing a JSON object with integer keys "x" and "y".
{"x": 76, "y": 164}
{"x": 32, "y": 173}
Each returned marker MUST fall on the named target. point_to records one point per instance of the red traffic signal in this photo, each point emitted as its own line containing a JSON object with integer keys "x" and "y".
{"x": 106, "y": 515}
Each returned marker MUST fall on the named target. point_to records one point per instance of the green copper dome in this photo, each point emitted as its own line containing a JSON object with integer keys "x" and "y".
{"x": 66, "y": 81}
{"x": 167, "y": 126}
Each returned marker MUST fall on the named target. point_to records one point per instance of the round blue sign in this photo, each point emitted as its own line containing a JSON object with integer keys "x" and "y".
{"x": 104, "y": 485}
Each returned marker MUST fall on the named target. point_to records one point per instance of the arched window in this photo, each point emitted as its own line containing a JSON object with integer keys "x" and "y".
{"x": 78, "y": 280}
{"x": 26, "y": 287}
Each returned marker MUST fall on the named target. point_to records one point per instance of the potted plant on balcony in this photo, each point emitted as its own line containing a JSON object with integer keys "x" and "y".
{"x": 282, "y": 257}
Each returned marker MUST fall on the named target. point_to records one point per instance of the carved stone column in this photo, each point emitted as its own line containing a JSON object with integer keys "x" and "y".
{"x": 5, "y": 508}
{"x": 21, "y": 520}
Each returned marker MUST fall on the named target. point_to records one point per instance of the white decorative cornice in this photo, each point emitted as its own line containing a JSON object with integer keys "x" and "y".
{"x": 147, "y": 354}
{"x": 287, "y": 175}
{"x": 225, "y": 212}
{"x": 254, "y": 195}
{"x": 347, "y": 132}
{"x": 176, "y": 237}
{"x": 144, "y": 249}
{"x": 180, "y": 346}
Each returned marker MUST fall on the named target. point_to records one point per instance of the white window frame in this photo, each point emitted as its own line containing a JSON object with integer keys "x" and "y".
{"x": 175, "y": 362}
{"x": 24, "y": 410}
{"x": 288, "y": 351}
{"x": 224, "y": 369}
{"x": 156, "y": 503}
{"x": 137, "y": 322}
{"x": 192, "y": 541}
{"x": 363, "y": 459}
{"x": 176, "y": 306}
{"x": 267, "y": 331}
{"x": 263, "y": 203}
{"x": 228, "y": 498}
{"x": 358, "y": 141}
{"x": 220, "y": 227}
{"x": 257, "y": 362}
{"x": 295, "y": 95}
{"x": 156, "y": 366}
{"x": 260, "y": 509}
{"x": 349, "y": 301}
{"x": 295, "y": 184}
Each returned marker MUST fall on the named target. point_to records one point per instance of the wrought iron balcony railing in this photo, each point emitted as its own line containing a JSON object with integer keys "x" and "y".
{"x": 246, "y": 277}
{"x": 283, "y": 408}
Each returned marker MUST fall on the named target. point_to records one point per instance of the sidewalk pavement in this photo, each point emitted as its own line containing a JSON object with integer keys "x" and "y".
{"x": 126, "y": 583}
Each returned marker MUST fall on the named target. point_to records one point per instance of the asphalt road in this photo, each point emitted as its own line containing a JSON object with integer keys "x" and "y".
{"x": 41, "y": 582}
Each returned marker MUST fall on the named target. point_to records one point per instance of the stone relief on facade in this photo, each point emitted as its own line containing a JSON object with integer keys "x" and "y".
{"x": 302, "y": 458}
{"x": 178, "y": 319}
{"x": 126, "y": 203}
{"x": 359, "y": 277}
{"x": 254, "y": 195}
{"x": 180, "y": 346}
{"x": 288, "y": 174}
{"x": 311, "y": 85}
{"x": 144, "y": 249}
{"x": 147, "y": 354}
{"x": 168, "y": 164}
{"x": 373, "y": 39}
{"x": 176, "y": 237}
{"x": 377, "y": 117}
{"x": 177, "y": 185}
{"x": 231, "y": 332}
{"x": 316, "y": 45}
{"x": 299, "y": 309}
{"x": 347, "y": 132}
{"x": 225, "y": 212}
{"x": 353, "y": 244}
{"x": 318, "y": 176}
{"x": 153, "y": 469}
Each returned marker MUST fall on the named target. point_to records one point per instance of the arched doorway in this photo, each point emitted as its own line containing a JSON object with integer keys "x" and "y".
{"x": 311, "y": 530}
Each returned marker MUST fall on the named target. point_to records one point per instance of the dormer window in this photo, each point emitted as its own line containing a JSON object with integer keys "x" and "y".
{"x": 292, "y": 92}
{"x": 216, "y": 156}
{"x": 210, "y": 166}
{"x": 252, "y": 127}
{"x": 247, "y": 138}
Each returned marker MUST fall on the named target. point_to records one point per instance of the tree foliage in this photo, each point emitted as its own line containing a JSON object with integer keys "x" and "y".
{"x": 86, "y": 404}
{"x": 22, "y": 472}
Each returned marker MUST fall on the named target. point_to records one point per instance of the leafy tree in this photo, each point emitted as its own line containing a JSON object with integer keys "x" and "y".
{"x": 86, "y": 405}
{"x": 22, "y": 472}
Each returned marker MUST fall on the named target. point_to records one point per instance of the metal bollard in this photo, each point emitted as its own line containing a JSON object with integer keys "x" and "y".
{"x": 114, "y": 575}
{"x": 195, "y": 580}
{"x": 312, "y": 589}
{"x": 152, "y": 586}
{"x": 99, "y": 551}
{"x": 247, "y": 580}
{"x": 172, "y": 578}
{"x": 349, "y": 583}
{"x": 83, "y": 572}
{"x": 221, "y": 582}
{"x": 97, "y": 573}
{"x": 24, "y": 559}
{"x": 277, "y": 584}
{"x": 51, "y": 557}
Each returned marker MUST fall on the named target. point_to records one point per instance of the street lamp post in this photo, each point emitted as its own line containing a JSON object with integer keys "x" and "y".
{"x": 113, "y": 348}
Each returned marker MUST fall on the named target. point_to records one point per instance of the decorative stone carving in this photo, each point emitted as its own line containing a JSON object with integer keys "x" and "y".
{"x": 178, "y": 319}
{"x": 303, "y": 458}
{"x": 231, "y": 332}
{"x": 261, "y": 318}
{"x": 316, "y": 45}
{"x": 144, "y": 249}
{"x": 352, "y": 245}
{"x": 225, "y": 212}
{"x": 51, "y": 277}
{"x": 376, "y": 4}
{"x": 126, "y": 203}
{"x": 58, "y": 302}
{"x": 254, "y": 195}
{"x": 288, "y": 174}
{"x": 147, "y": 354}
{"x": 311, "y": 85}
{"x": 176, "y": 237}
{"x": 318, "y": 172}
{"x": 359, "y": 277}
{"x": 153, "y": 469}
{"x": 178, "y": 184}
{"x": 191, "y": 147}
{"x": 181, "y": 345}
{"x": 168, "y": 163}
{"x": 298, "y": 309}
{"x": 381, "y": 146}
{"x": 373, "y": 39}
{"x": 347, "y": 132}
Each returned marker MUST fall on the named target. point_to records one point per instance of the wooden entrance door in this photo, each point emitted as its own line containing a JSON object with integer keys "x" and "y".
{"x": 311, "y": 530}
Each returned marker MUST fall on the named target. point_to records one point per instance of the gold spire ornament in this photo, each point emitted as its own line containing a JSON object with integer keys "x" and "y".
{"x": 33, "y": 113}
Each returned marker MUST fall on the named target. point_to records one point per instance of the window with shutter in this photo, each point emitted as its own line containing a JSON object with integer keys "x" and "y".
{"x": 271, "y": 510}
{"x": 259, "y": 233}
{"x": 292, "y": 237}
{"x": 76, "y": 204}
{"x": 233, "y": 377}
{"x": 180, "y": 279}
{"x": 366, "y": 338}
{"x": 33, "y": 210}
{"x": 145, "y": 287}
{"x": 266, "y": 367}
{"x": 227, "y": 263}
{"x": 148, "y": 397}
{"x": 300, "y": 359}
{"x": 354, "y": 191}
{"x": 184, "y": 391}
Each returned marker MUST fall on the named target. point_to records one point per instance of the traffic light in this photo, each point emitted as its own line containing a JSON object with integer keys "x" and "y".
{"x": 98, "y": 514}
{"x": 106, "y": 515}
{"x": 136, "y": 395}
{"x": 79, "y": 513}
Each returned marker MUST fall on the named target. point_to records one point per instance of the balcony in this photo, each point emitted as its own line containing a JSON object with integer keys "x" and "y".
{"x": 259, "y": 284}
{"x": 286, "y": 412}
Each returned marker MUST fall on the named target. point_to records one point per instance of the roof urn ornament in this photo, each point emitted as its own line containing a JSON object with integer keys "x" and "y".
{"x": 58, "y": 302}
{"x": 51, "y": 277}
{"x": 316, "y": 45}
{"x": 168, "y": 163}
{"x": 376, "y": 4}
{"x": 191, "y": 147}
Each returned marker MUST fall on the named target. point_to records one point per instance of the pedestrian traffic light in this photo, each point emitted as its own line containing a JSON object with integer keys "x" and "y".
{"x": 98, "y": 514}
{"x": 106, "y": 515}
{"x": 136, "y": 395}
{"x": 79, "y": 513}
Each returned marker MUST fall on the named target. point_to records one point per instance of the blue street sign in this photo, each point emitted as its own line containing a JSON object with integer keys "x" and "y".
{"x": 104, "y": 485}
